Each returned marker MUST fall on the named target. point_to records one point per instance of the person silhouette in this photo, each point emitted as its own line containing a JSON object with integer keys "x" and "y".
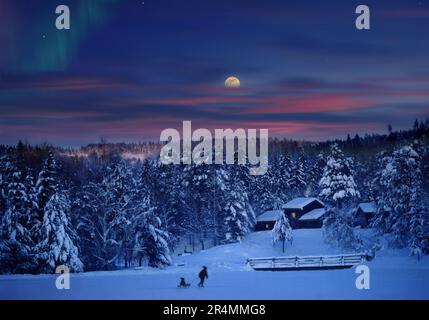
{"x": 203, "y": 275}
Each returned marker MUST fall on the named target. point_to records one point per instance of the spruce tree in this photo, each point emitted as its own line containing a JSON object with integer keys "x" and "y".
{"x": 282, "y": 231}
{"x": 239, "y": 217}
{"x": 116, "y": 207}
{"x": 7, "y": 169}
{"x": 337, "y": 184}
{"x": 338, "y": 190}
{"x": 264, "y": 194}
{"x": 57, "y": 237}
{"x": 46, "y": 184}
{"x": 298, "y": 180}
{"x": 338, "y": 233}
{"x": 282, "y": 173}
{"x": 419, "y": 230}
{"x": 400, "y": 184}
{"x": 151, "y": 239}
{"x": 105, "y": 217}
{"x": 198, "y": 184}
{"x": 163, "y": 184}
{"x": 16, "y": 244}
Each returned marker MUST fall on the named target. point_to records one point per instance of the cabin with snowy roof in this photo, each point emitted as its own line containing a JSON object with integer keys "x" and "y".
{"x": 364, "y": 213}
{"x": 267, "y": 220}
{"x": 303, "y": 213}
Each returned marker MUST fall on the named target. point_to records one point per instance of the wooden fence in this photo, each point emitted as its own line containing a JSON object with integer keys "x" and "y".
{"x": 307, "y": 262}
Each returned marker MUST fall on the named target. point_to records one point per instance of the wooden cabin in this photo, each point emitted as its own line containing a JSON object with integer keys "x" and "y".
{"x": 267, "y": 220}
{"x": 364, "y": 213}
{"x": 305, "y": 213}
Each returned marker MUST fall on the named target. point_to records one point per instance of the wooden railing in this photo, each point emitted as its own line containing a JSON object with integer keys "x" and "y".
{"x": 307, "y": 262}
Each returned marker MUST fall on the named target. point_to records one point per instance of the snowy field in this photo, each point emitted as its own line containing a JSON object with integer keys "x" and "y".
{"x": 394, "y": 275}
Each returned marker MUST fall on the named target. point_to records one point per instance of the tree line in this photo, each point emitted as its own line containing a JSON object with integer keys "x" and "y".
{"x": 99, "y": 211}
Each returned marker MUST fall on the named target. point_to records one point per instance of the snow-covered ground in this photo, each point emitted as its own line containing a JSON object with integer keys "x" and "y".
{"x": 393, "y": 275}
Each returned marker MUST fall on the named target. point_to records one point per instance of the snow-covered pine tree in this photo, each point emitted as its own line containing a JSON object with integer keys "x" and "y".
{"x": 315, "y": 174}
{"x": 168, "y": 196}
{"x": 338, "y": 233}
{"x": 239, "y": 217}
{"x": 117, "y": 188}
{"x": 337, "y": 184}
{"x": 16, "y": 243}
{"x": 89, "y": 215}
{"x": 382, "y": 219}
{"x": 3, "y": 199}
{"x": 122, "y": 189}
{"x": 422, "y": 148}
{"x": 19, "y": 155}
{"x": 198, "y": 183}
{"x": 338, "y": 190}
{"x": 3, "y": 191}
{"x": 240, "y": 178}
{"x": 57, "y": 237}
{"x": 376, "y": 188}
{"x": 104, "y": 212}
{"x": 298, "y": 178}
{"x": 46, "y": 184}
{"x": 282, "y": 173}
{"x": 154, "y": 211}
{"x": 151, "y": 239}
{"x": 419, "y": 229}
{"x": 362, "y": 170}
{"x": 400, "y": 183}
{"x": 282, "y": 231}
{"x": 264, "y": 194}
{"x": 7, "y": 169}
{"x": 147, "y": 181}
{"x": 33, "y": 218}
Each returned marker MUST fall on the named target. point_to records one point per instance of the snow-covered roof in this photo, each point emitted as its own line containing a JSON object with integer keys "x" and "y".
{"x": 271, "y": 215}
{"x": 368, "y": 207}
{"x": 313, "y": 214}
{"x": 300, "y": 203}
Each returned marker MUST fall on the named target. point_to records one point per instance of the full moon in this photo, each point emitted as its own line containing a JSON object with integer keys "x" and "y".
{"x": 232, "y": 82}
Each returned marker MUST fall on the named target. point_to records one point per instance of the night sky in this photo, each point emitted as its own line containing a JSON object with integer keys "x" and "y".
{"x": 129, "y": 69}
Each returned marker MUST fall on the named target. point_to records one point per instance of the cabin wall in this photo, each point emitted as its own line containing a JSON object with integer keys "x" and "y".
{"x": 264, "y": 225}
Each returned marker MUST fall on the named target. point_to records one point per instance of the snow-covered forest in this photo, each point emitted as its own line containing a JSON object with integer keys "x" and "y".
{"x": 96, "y": 209}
